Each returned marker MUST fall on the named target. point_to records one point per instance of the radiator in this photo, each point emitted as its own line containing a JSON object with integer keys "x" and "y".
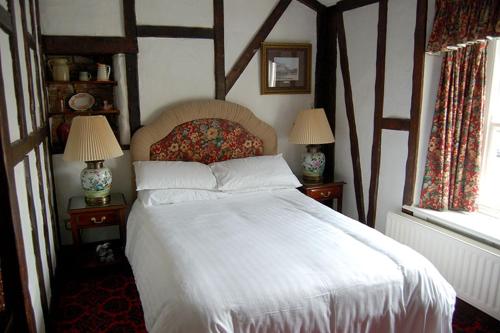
{"x": 472, "y": 268}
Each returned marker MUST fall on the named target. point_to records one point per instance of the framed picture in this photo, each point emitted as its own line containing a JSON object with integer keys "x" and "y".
{"x": 285, "y": 68}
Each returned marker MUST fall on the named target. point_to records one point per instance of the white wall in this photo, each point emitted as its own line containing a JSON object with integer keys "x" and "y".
{"x": 174, "y": 70}
{"x": 361, "y": 35}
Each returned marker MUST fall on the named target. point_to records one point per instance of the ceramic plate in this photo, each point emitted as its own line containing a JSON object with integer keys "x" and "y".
{"x": 81, "y": 101}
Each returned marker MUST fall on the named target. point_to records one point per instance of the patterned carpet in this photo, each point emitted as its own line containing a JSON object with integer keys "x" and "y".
{"x": 109, "y": 302}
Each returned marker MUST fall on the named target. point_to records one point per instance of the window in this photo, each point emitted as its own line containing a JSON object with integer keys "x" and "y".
{"x": 489, "y": 190}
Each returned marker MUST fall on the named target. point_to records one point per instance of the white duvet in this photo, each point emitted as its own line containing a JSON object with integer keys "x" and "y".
{"x": 278, "y": 261}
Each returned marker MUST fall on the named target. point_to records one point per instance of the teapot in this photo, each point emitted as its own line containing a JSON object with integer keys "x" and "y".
{"x": 59, "y": 69}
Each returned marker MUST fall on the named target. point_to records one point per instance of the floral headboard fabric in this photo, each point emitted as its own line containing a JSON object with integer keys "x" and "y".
{"x": 207, "y": 141}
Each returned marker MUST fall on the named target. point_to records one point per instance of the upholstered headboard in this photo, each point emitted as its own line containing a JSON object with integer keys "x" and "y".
{"x": 232, "y": 116}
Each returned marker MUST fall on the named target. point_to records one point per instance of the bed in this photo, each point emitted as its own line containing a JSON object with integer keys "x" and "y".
{"x": 268, "y": 260}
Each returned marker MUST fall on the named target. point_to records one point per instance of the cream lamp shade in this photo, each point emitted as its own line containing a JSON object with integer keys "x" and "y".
{"x": 311, "y": 127}
{"x": 91, "y": 139}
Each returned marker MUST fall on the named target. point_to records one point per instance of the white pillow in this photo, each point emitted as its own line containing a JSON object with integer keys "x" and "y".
{"x": 152, "y": 175}
{"x": 260, "y": 172}
{"x": 172, "y": 196}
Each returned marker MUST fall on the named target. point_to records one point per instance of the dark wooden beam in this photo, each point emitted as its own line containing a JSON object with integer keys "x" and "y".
{"x": 21, "y": 114}
{"x": 41, "y": 194}
{"x": 326, "y": 76}
{"x": 131, "y": 65}
{"x": 164, "y": 31}
{"x": 254, "y": 45}
{"x": 88, "y": 45}
{"x": 349, "y": 105}
{"x": 313, "y": 4}
{"x": 19, "y": 149}
{"x": 49, "y": 172}
{"x": 219, "y": 55}
{"x": 396, "y": 124}
{"x": 133, "y": 92}
{"x": 29, "y": 42}
{"x": 344, "y": 5}
{"x": 129, "y": 18}
{"x": 378, "y": 112}
{"x": 5, "y": 22}
{"x": 416, "y": 101}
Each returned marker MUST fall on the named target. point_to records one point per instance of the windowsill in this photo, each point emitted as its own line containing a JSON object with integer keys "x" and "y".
{"x": 481, "y": 227}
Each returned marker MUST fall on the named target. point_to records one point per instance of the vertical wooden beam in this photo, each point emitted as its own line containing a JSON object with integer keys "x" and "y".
{"x": 21, "y": 114}
{"x": 356, "y": 165}
{"x": 131, "y": 67}
{"x": 326, "y": 75}
{"x": 49, "y": 172}
{"x": 27, "y": 56}
{"x": 41, "y": 194}
{"x": 36, "y": 32}
{"x": 416, "y": 101}
{"x": 219, "y": 62}
{"x": 56, "y": 232}
{"x": 254, "y": 44}
{"x": 378, "y": 112}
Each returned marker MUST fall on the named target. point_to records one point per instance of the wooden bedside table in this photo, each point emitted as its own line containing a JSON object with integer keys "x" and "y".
{"x": 325, "y": 193}
{"x": 83, "y": 216}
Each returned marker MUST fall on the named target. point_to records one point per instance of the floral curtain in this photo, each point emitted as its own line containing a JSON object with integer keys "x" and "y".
{"x": 460, "y": 22}
{"x": 454, "y": 154}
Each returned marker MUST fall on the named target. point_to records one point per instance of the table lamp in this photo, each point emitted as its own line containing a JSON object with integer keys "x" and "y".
{"x": 91, "y": 140}
{"x": 311, "y": 128}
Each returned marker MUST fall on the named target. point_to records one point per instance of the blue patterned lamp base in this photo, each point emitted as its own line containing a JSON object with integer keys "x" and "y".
{"x": 96, "y": 183}
{"x": 313, "y": 165}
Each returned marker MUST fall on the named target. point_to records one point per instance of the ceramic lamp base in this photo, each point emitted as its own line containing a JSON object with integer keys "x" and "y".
{"x": 313, "y": 165}
{"x": 96, "y": 183}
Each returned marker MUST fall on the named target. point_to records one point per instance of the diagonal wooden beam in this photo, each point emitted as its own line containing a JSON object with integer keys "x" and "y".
{"x": 313, "y": 4}
{"x": 5, "y": 22}
{"x": 416, "y": 101}
{"x": 219, "y": 62}
{"x": 349, "y": 105}
{"x": 378, "y": 112}
{"x": 254, "y": 45}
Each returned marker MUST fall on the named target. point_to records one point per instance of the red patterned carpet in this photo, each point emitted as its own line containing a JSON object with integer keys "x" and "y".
{"x": 109, "y": 302}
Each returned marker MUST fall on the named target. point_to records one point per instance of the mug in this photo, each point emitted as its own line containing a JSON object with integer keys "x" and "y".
{"x": 103, "y": 72}
{"x": 84, "y": 76}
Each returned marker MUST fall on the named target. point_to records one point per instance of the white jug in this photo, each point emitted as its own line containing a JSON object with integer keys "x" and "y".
{"x": 103, "y": 72}
{"x": 59, "y": 68}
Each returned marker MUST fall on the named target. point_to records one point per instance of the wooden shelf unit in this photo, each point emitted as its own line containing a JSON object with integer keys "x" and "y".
{"x": 85, "y": 113}
{"x": 109, "y": 82}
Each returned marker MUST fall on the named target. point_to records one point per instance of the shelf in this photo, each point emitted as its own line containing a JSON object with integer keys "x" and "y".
{"x": 96, "y": 83}
{"x": 85, "y": 113}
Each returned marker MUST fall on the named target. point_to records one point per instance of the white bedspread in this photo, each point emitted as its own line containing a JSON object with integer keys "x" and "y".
{"x": 278, "y": 262}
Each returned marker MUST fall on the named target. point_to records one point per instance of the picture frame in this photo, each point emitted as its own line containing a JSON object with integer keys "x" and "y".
{"x": 285, "y": 68}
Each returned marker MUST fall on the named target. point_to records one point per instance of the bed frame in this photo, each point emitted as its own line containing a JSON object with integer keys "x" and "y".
{"x": 170, "y": 118}
{"x": 148, "y": 135}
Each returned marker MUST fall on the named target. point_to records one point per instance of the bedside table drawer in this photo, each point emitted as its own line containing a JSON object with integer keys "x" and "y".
{"x": 98, "y": 219}
{"x": 323, "y": 194}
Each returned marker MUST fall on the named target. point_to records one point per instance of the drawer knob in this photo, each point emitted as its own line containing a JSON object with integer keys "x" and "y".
{"x": 325, "y": 195}
{"x": 102, "y": 220}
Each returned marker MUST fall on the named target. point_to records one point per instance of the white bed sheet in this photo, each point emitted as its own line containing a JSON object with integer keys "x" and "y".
{"x": 278, "y": 261}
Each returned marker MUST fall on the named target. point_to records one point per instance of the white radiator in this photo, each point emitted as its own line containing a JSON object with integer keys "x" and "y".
{"x": 472, "y": 268}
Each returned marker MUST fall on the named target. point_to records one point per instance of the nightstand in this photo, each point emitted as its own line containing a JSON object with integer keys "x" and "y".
{"x": 83, "y": 216}
{"x": 325, "y": 193}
